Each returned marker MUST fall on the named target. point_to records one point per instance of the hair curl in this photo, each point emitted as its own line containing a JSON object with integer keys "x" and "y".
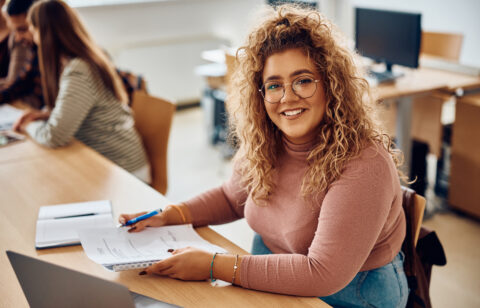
{"x": 348, "y": 125}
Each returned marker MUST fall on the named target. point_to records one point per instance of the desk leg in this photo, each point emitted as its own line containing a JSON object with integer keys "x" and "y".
{"x": 403, "y": 130}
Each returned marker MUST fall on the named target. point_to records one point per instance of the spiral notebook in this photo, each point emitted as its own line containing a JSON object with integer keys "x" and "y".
{"x": 118, "y": 250}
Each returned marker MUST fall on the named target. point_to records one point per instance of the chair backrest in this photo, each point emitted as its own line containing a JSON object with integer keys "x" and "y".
{"x": 443, "y": 45}
{"x": 414, "y": 206}
{"x": 153, "y": 119}
{"x": 419, "y": 210}
{"x": 422, "y": 249}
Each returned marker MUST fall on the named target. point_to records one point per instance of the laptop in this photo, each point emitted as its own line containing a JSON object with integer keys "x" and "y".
{"x": 48, "y": 285}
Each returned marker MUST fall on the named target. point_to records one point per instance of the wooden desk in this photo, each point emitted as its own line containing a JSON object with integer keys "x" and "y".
{"x": 32, "y": 176}
{"x": 424, "y": 80}
{"x": 415, "y": 83}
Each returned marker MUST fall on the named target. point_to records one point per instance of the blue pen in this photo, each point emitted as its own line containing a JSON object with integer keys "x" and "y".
{"x": 142, "y": 217}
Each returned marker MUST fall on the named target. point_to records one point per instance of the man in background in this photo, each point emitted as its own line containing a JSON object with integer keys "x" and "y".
{"x": 23, "y": 79}
{"x": 4, "y": 35}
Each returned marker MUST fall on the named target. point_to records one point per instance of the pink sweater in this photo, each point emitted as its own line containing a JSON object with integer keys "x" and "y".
{"x": 357, "y": 225}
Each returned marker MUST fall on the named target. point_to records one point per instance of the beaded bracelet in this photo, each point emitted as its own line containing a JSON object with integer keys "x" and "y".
{"x": 184, "y": 220}
{"x": 235, "y": 269}
{"x": 211, "y": 268}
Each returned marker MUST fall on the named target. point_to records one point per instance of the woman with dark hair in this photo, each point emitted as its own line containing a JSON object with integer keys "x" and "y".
{"x": 314, "y": 176}
{"x": 84, "y": 95}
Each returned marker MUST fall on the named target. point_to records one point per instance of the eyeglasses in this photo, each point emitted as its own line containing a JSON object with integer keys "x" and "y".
{"x": 303, "y": 87}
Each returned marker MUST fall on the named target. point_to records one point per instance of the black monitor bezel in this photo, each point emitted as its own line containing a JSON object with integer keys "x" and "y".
{"x": 413, "y": 63}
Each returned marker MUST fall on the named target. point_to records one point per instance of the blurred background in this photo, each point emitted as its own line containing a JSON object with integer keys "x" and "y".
{"x": 163, "y": 39}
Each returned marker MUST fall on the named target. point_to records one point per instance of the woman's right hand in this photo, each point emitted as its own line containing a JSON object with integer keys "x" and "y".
{"x": 171, "y": 215}
{"x": 155, "y": 221}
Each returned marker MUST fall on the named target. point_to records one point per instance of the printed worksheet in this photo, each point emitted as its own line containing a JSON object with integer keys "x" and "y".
{"x": 116, "y": 246}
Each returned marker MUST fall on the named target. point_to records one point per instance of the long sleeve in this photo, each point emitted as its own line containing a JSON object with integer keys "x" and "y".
{"x": 219, "y": 205}
{"x": 87, "y": 110}
{"x": 357, "y": 228}
{"x": 74, "y": 101}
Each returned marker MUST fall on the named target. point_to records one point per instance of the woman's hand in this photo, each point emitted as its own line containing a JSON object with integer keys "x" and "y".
{"x": 29, "y": 116}
{"x": 186, "y": 264}
{"x": 195, "y": 264}
{"x": 155, "y": 221}
{"x": 170, "y": 216}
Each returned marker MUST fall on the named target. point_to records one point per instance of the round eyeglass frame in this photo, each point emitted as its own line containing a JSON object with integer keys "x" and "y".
{"x": 293, "y": 90}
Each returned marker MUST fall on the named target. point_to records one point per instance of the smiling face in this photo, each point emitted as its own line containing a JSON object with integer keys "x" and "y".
{"x": 297, "y": 118}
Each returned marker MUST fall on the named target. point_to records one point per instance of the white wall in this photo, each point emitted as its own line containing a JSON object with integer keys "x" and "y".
{"x": 162, "y": 40}
{"x": 459, "y": 16}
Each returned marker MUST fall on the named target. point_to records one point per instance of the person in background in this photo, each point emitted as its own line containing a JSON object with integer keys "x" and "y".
{"x": 4, "y": 34}
{"x": 313, "y": 175}
{"x": 132, "y": 83}
{"x": 20, "y": 74}
{"x": 84, "y": 95}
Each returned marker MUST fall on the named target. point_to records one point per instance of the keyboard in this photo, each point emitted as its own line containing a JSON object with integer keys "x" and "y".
{"x": 383, "y": 77}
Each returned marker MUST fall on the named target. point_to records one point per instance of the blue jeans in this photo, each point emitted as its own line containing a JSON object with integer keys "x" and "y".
{"x": 385, "y": 286}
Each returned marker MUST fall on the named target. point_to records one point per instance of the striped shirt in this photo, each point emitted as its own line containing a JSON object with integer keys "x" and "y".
{"x": 86, "y": 110}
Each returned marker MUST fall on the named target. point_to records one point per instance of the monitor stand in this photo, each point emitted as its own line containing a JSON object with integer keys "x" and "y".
{"x": 386, "y": 76}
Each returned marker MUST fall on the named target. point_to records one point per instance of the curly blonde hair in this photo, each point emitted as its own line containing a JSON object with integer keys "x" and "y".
{"x": 348, "y": 125}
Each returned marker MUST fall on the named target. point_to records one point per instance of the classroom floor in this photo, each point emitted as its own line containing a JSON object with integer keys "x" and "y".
{"x": 195, "y": 166}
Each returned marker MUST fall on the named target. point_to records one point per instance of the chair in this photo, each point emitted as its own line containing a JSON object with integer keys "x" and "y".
{"x": 427, "y": 110}
{"x": 414, "y": 206}
{"x": 420, "y": 258}
{"x": 419, "y": 204}
{"x": 153, "y": 119}
{"x": 447, "y": 46}
{"x": 426, "y": 125}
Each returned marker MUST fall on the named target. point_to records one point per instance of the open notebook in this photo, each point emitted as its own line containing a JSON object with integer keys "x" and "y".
{"x": 57, "y": 225}
{"x": 118, "y": 250}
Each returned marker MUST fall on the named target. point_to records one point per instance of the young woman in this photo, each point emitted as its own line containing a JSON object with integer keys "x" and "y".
{"x": 314, "y": 177}
{"x": 84, "y": 94}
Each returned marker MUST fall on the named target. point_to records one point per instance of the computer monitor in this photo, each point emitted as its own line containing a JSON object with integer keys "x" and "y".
{"x": 390, "y": 37}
